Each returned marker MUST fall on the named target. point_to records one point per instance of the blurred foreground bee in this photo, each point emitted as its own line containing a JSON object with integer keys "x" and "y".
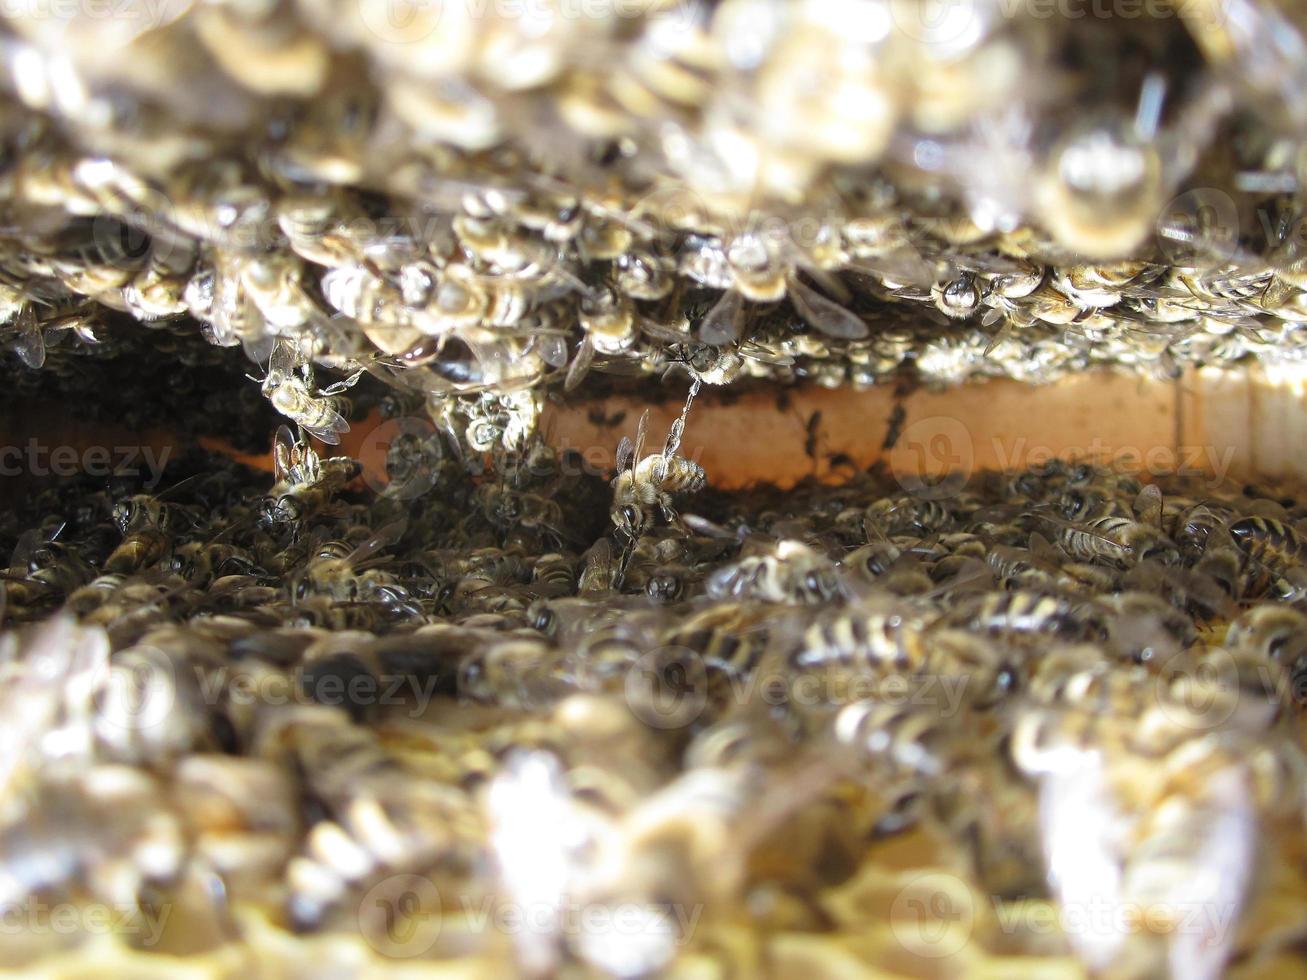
{"x": 1273, "y": 543}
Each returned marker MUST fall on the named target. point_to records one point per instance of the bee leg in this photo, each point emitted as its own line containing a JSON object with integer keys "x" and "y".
{"x": 668, "y": 511}
{"x": 343, "y": 385}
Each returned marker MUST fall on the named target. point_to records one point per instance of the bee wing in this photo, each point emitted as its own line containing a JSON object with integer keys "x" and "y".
{"x": 380, "y": 541}
{"x": 599, "y": 565}
{"x": 972, "y": 576}
{"x": 661, "y": 331}
{"x": 552, "y": 349}
{"x": 329, "y": 428}
{"x": 625, "y": 454}
{"x": 600, "y": 554}
{"x": 723, "y": 324}
{"x": 23, "y": 549}
{"x": 759, "y": 353}
{"x": 330, "y": 436}
{"x": 1226, "y": 831}
{"x": 1044, "y": 549}
{"x": 259, "y": 351}
{"x": 701, "y": 525}
{"x": 641, "y": 431}
{"x": 283, "y": 449}
{"x": 580, "y": 366}
{"x": 825, "y": 314}
{"x": 29, "y": 345}
{"x": 1078, "y": 824}
{"x": 1148, "y": 506}
{"x": 282, "y": 359}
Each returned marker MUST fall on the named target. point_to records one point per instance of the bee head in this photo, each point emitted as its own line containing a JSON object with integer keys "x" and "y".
{"x": 629, "y": 520}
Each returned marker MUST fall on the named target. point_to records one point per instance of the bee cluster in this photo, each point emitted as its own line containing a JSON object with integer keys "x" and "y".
{"x": 462, "y": 197}
{"x": 502, "y": 713}
{"x": 834, "y": 728}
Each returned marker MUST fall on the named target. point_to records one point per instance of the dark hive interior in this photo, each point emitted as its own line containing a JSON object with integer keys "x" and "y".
{"x": 329, "y": 646}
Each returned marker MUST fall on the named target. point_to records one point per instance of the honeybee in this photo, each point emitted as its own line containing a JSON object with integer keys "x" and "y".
{"x": 958, "y": 298}
{"x": 22, "y": 330}
{"x": 894, "y": 639}
{"x": 913, "y": 741}
{"x": 729, "y": 640}
{"x": 1274, "y": 544}
{"x": 553, "y": 574}
{"x": 1028, "y": 613}
{"x": 304, "y": 482}
{"x": 1276, "y": 632}
{"x": 643, "y": 483}
{"x": 724, "y": 365}
{"x": 1117, "y": 541}
{"x": 361, "y": 787}
{"x": 289, "y": 386}
{"x": 792, "y": 572}
{"x": 521, "y": 672}
{"x": 658, "y": 567}
{"x": 147, "y": 526}
{"x": 760, "y": 268}
{"x": 345, "y": 574}
{"x": 906, "y": 514}
{"x": 1102, "y": 188}
{"x": 1198, "y": 813}
{"x": 242, "y": 816}
{"x": 608, "y": 317}
{"x": 600, "y": 572}
{"x": 642, "y": 274}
